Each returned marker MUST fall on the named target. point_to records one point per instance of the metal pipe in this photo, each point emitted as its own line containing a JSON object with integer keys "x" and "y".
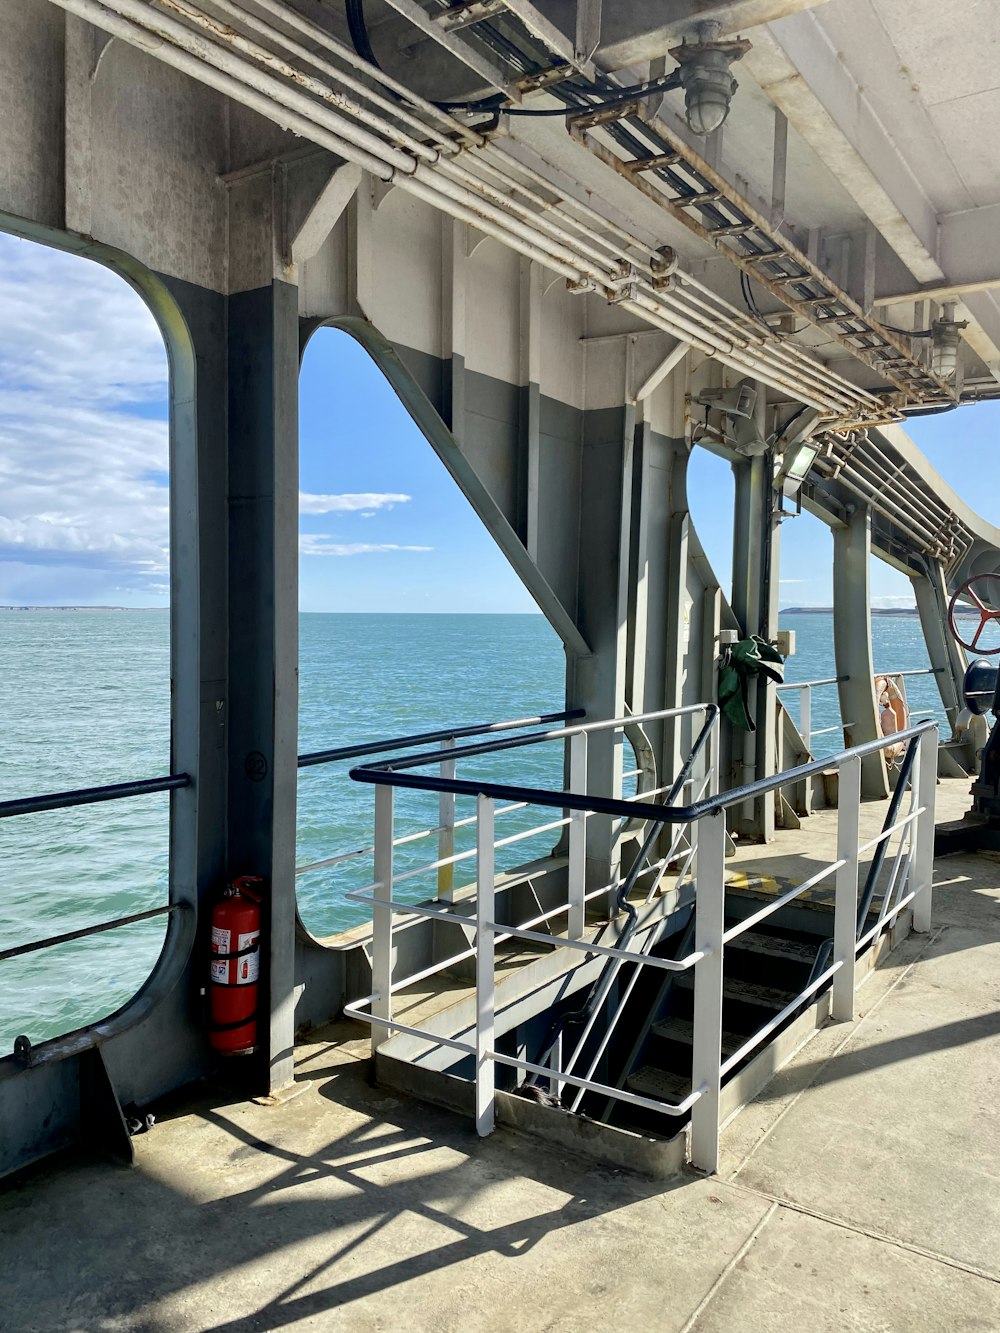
{"x": 689, "y": 280}
{"x": 350, "y": 57}
{"x": 218, "y": 54}
{"x": 789, "y": 353}
{"x": 393, "y": 109}
{"x": 808, "y": 684}
{"x": 496, "y": 147}
{"x": 227, "y": 72}
{"x": 203, "y": 72}
{"x": 557, "y": 733}
{"x": 681, "y": 327}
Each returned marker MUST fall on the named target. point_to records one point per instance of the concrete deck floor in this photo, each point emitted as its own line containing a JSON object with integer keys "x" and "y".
{"x": 860, "y": 1192}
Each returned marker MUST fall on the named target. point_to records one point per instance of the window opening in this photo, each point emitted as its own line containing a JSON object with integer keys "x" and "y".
{"x": 411, "y": 621}
{"x": 84, "y": 633}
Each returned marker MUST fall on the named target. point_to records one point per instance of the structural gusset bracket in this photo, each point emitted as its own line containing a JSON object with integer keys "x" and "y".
{"x": 102, "y": 1124}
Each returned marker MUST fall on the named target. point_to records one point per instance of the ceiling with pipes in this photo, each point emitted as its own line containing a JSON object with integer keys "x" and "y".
{"x": 806, "y": 189}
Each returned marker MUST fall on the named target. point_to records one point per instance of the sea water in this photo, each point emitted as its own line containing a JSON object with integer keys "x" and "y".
{"x": 84, "y": 700}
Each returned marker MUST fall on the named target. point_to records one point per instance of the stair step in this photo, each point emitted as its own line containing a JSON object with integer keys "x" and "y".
{"x": 651, "y": 1082}
{"x": 682, "y": 1030}
{"x": 744, "y": 992}
{"x": 770, "y": 946}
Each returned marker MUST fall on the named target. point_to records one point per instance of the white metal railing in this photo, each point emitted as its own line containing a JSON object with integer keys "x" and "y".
{"x": 447, "y": 823}
{"x": 909, "y": 886}
{"x": 806, "y": 687}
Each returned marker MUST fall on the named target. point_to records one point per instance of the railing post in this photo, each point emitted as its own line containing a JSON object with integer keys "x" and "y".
{"x": 382, "y": 913}
{"x": 555, "y": 1064}
{"x": 923, "y": 856}
{"x": 712, "y": 753}
{"x": 805, "y": 716}
{"x": 485, "y": 978}
{"x": 706, "y": 1059}
{"x": 446, "y": 828}
{"x": 577, "y": 869}
{"x": 845, "y": 917}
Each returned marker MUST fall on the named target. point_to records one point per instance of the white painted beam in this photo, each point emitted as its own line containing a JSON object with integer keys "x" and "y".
{"x": 969, "y": 246}
{"x": 798, "y": 68}
{"x": 588, "y": 29}
{"x": 547, "y": 32}
{"x": 633, "y": 34}
{"x": 660, "y": 373}
{"x": 326, "y": 211}
{"x": 492, "y": 74}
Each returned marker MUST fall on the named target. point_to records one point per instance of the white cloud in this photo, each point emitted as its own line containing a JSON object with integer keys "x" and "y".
{"x": 894, "y": 599}
{"x": 83, "y": 459}
{"x": 348, "y": 504}
{"x": 318, "y": 543}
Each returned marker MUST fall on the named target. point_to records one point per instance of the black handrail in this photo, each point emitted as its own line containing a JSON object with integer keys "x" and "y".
{"x": 622, "y": 903}
{"x": 490, "y": 747}
{"x": 389, "y": 774}
{"x": 429, "y": 737}
{"x": 97, "y": 929}
{"x": 115, "y": 791}
{"x": 878, "y": 860}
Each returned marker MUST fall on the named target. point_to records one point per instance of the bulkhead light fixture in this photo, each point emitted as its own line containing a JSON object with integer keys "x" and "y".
{"x": 946, "y": 337}
{"x": 706, "y": 77}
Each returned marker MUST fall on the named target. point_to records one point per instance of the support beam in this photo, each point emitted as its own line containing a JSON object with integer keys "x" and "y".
{"x": 868, "y": 280}
{"x": 946, "y": 656}
{"x": 755, "y": 588}
{"x": 530, "y": 404}
{"x": 326, "y": 211}
{"x": 454, "y": 255}
{"x": 852, "y": 643}
{"x": 656, "y": 377}
{"x": 597, "y": 682}
{"x": 263, "y": 339}
{"x": 494, "y": 75}
{"x": 779, "y": 167}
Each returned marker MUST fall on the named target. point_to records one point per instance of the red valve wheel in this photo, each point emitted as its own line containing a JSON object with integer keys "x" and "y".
{"x": 986, "y": 613}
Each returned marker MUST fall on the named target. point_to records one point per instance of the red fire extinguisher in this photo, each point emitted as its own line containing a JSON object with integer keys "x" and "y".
{"x": 235, "y": 967}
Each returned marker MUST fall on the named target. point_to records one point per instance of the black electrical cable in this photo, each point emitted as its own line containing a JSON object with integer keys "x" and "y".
{"x": 908, "y": 333}
{"x": 755, "y": 310}
{"x": 930, "y": 411}
{"x": 497, "y": 103}
{"x": 358, "y": 30}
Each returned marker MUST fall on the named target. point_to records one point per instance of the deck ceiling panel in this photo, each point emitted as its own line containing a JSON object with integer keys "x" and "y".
{"x": 930, "y": 72}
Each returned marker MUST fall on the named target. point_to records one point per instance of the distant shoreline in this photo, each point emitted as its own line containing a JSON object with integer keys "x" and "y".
{"x": 909, "y": 611}
{"x": 84, "y": 608}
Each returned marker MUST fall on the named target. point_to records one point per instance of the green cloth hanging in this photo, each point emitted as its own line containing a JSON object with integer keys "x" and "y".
{"x": 740, "y": 661}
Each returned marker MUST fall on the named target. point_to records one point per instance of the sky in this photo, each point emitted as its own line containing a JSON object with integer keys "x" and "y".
{"x": 84, "y": 452}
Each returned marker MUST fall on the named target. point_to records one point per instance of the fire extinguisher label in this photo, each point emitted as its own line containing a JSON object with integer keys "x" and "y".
{"x": 248, "y": 967}
{"x": 220, "y": 944}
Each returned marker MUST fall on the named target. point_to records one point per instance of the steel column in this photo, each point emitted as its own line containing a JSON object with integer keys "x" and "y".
{"x": 845, "y": 920}
{"x": 485, "y": 977}
{"x": 706, "y": 1059}
{"x": 852, "y": 643}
